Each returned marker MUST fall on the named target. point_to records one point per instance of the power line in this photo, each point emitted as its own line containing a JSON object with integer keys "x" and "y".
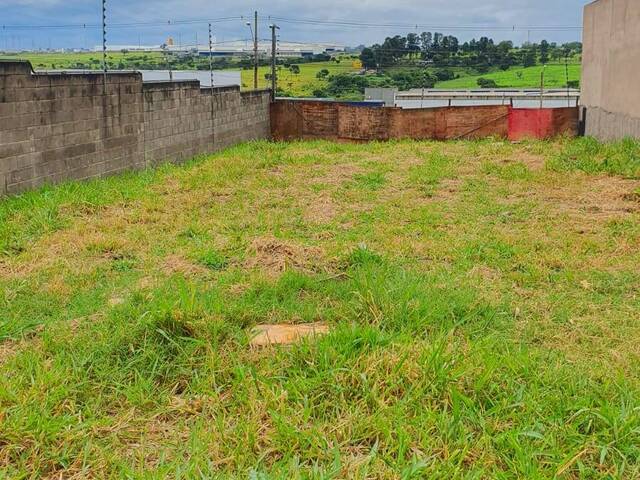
{"x": 360, "y": 24}
{"x": 125, "y": 25}
{"x": 338, "y": 23}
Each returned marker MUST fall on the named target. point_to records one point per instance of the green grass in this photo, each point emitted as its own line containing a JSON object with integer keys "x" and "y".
{"x": 520, "y": 77}
{"x": 299, "y": 84}
{"x": 482, "y": 298}
{"x": 588, "y": 155}
{"x": 49, "y": 61}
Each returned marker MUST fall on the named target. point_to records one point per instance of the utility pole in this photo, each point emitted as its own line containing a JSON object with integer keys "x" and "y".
{"x": 274, "y": 83}
{"x": 104, "y": 43}
{"x": 255, "y": 50}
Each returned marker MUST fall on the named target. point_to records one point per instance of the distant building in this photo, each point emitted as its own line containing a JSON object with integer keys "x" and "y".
{"x": 430, "y": 98}
{"x": 234, "y": 49}
{"x": 285, "y": 49}
{"x": 130, "y": 48}
{"x": 611, "y": 69}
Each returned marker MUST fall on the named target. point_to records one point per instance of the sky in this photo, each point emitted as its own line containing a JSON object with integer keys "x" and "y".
{"x": 41, "y": 24}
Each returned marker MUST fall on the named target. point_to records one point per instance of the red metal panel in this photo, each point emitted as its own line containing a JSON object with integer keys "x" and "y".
{"x": 542, "y": 123}
{"x": 530, "y": 123}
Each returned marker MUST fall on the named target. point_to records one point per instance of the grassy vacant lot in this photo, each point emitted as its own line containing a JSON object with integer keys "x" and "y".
{"x": 299, "y": 84}
{"x": 53, "y": 61}
{"x": 483, "y": 300}
{"x": 519, "y": 77}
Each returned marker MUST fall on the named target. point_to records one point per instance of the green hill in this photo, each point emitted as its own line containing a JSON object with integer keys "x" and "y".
{"x": 520, "y": 77}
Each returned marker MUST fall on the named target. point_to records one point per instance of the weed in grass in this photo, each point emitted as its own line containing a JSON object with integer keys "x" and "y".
{"x": 213, "y": 260}
{"x": 370, "y": 181}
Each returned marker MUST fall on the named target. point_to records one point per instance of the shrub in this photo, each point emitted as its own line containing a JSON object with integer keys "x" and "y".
{"x": 487, "y": 83}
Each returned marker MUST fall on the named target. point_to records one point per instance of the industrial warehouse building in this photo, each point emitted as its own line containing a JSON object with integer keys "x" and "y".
{"x": 611, "y": 69}
{"x": 234, "y": 49}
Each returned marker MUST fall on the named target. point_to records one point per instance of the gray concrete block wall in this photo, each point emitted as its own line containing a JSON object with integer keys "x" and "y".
{"x": 59, "y": 127}
{"x": 182, "y": 120}
{"x": 609, "y": 126}
{"x": 610, "y": 68}
{"x": 56, "y": 127}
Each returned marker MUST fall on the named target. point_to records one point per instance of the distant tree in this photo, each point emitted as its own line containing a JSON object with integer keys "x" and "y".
{"x": 487, "y": 83}
{"x": 391, "y": 51}
{"x": 529, "y": 57}
{"x": 413, "y": 43}
{"x": 322, "y": 74}
{"x": 368, "y": 58}
{"x": 444, "y": 74}
{"x": 572, "y": 48}
{"x": 295, "y": 69}
{"x": 345, "y": 84}
{"x": 426, "y": 42}
{"x": 544, "y": 52}
{"x": 454, "y": 44}
{"x": 405, "y": 80}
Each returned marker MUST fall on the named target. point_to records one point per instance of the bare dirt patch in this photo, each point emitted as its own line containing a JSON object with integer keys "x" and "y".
{"x": 265, "y": 335}
{"x": 177, "y": 264}
{"x": 336, "y": 174}
{"x": 319, "y": 209}
{"x": 603, "y": 198}
{"x": 274, "y": 256}
{"x": 8, "y": 349}
{"x": 448, "y": 189}
{"x": 533, "y": 161}
{"x": 583, "y": 198}
{"x": 485, "y": 273}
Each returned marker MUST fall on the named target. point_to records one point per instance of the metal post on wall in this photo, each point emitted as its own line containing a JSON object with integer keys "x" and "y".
{"x": 211, "y": 58}
{"x": 542, "y": 86}
{"x": 255, "y": 50}
{"x": 213, "y": 116}
{"x": 104, "y": 43}
{"x": 566, "y": 71}
{"x": 254, "y": 38}
{"x": 274, "y": 83}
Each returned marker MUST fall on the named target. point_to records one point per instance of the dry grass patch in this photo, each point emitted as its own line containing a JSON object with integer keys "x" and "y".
{"x": 319, "y": 209}
{"x": 274, "y": 256}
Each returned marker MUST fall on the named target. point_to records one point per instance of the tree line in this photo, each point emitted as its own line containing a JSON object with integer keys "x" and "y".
{"x": 440, "y": 50}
